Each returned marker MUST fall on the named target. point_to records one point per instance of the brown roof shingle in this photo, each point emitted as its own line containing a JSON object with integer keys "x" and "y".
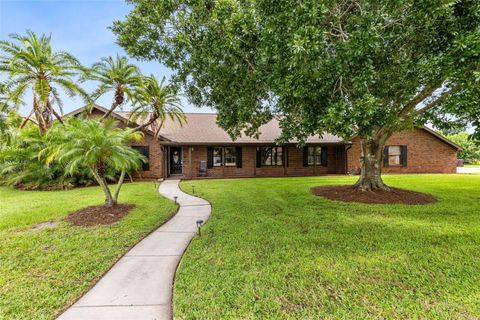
{"x": 202, "y": 128}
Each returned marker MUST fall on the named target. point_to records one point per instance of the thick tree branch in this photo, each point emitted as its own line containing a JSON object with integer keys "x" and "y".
{"x": 441, "y": 98}
{"x": 421, "y": 96}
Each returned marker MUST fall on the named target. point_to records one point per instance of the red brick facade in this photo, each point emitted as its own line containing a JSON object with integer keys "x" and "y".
{"x": 192, "y": 155}
{"x": 426, "y": 153}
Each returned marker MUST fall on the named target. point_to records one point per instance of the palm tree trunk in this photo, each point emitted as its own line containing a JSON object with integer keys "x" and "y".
{"x": 24, "y": 122}
{"x": 103, "y": 184}
{"x": 59, "y": 118}
{"x": 109, "y": 112}
{"x": 119, "y": 185}
{"x": 146, "y": 124}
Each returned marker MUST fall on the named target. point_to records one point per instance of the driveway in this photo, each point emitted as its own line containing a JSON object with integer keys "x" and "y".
{"x": 468, "y": 170}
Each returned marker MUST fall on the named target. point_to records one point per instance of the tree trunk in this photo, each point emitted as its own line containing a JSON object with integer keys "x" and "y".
{"x": 372, "y": 161}
{"x": 112, "y": 108}
{"x": 106, "y": 190}
{"x": 119, "y": 185}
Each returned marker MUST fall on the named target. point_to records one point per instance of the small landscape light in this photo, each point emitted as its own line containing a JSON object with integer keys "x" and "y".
{"x": 175, "y": 198}
{"x": 193, "y": 189}
{"x": 199, "y": 224}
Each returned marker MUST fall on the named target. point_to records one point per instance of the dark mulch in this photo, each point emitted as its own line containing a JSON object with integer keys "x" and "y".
{"x": 395, "y": 196}
{"x": 99, "y": 215}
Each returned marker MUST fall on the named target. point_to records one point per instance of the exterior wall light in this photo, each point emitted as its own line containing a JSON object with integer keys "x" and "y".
{"x": 199, "y": 224}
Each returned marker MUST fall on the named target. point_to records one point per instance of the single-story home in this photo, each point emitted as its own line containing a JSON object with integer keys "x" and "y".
{"x": 200, "y": 148}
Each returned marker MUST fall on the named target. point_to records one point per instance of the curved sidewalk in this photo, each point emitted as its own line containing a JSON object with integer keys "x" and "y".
{"x": 139, "y": 286}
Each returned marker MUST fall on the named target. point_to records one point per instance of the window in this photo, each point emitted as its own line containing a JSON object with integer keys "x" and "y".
{"x": 217, "y": 157}
{"x": 144, "y": 150}
{"x": 315, "y": 156}
{"x": 272, "y": 156}
{"x": 224, "y": 156}
{"x": 394, "y": 155}
{"x": 230, "y": 156}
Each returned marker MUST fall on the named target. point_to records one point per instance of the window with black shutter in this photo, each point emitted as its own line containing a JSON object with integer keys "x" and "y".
{"x": 395, "y": 156}
{"x": 145, "y": 151}
{"x": 315, "y": 156}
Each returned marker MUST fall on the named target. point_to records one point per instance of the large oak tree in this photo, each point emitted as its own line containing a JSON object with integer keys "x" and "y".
{"x": 351, "y": 67}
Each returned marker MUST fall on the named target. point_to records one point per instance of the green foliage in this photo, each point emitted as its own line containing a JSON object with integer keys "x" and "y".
{"x": 32, "y": 65}
{"x": 347, "y": 67}
{"x": 117, "y": 76}
{"x": 95, "y": 145}
{"x": 272, "y": 250}
{"x": 153, "y": 102}
{"x": 21, "y": 165}
{"x": 92, "y": 143}
{"x": 470, "y": 148}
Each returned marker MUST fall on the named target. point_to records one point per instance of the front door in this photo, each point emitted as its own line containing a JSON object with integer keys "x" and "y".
{"x": 175, "y": 160}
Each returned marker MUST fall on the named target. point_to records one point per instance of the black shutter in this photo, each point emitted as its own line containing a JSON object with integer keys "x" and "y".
{"x": 209, "y": 157}
{"x": 238, "y": 151}
{"x": 324, "y": 156}
{"x": 305, "y": 156}
{"x": 385, "y": 156}
{"x": 145, "y": 151}
{"x": 404, "y": 156}
{"x": 259, "y": 157}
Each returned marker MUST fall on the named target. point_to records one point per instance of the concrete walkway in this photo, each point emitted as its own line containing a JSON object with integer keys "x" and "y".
{"x": 139, "y": 286}
{"x": 468, "y": 170}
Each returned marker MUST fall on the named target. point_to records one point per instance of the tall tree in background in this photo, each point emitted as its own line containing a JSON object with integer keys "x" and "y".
{"x": 352, "y": 67}
{"x": 117, "y": 76}
{"x": 153, "y": 103}
{"x": 30, "y": 64}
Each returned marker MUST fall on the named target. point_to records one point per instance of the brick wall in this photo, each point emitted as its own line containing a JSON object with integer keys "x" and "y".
{"x": 425, "y": 154}
{"x": 193, "y": 155}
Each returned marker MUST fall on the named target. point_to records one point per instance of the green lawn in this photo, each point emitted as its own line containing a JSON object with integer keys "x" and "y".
{"x": 472, "y": 165}
{"x": 44, "y": 271}
{"x": 271, "y": 250}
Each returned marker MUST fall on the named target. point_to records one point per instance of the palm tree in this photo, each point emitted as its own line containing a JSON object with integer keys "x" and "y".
{"x": 153, "y": 103}
{"x": 117, "y": 75}
{"x": 31, "y": 65}
{"x": 96, "y": 145}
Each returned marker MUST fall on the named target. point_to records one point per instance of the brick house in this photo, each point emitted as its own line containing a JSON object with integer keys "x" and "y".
{"x": 201, "y": 144}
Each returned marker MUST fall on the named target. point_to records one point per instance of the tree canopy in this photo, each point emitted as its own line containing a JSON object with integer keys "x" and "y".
{"x": 350, "y": 67}
{"x": 344, "y": 66}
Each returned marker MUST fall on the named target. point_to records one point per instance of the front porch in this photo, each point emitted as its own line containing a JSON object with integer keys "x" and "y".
{"x": 216, "y": 161}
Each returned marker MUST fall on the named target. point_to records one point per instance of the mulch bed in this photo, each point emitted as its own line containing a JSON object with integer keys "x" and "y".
{"x": 99, "y": 215}
{"x": 395, "y": 196}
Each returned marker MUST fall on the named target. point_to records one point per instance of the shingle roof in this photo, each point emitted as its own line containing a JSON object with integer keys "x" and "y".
{"x": 202, "y": 128}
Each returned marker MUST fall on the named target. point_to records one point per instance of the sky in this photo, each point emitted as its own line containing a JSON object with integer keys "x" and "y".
{"x": 81, "y": 28}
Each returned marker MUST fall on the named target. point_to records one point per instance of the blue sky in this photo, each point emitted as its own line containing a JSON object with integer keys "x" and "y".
{"x": 79, "y": 27}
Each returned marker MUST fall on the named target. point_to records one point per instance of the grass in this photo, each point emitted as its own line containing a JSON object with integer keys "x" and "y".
{"x": 472, "y": 165}
{"x": 272, "y": 250}
{"x": 41, "y": 272}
